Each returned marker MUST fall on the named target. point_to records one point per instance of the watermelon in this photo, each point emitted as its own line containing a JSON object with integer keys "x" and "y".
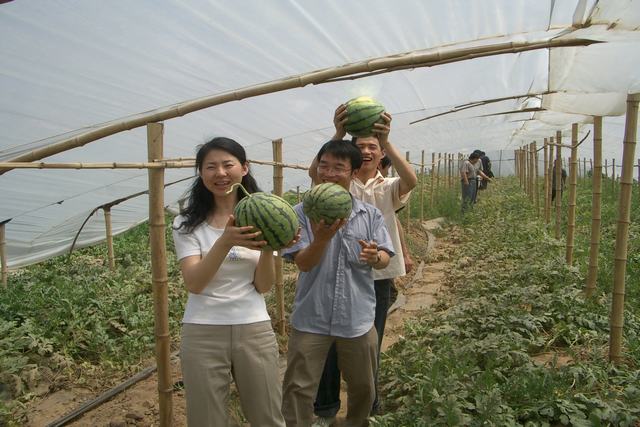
{"x": 362, "y": 113}
{"x": 270, "y": 214}
{"x": 327, "y": 201}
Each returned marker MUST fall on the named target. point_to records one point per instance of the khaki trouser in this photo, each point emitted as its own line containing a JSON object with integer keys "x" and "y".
{"x": 212, "y": 354}
{"x": 305, "y": 361}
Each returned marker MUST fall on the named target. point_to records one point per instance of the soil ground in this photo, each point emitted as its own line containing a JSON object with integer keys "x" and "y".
{"x": 138, "y": 405}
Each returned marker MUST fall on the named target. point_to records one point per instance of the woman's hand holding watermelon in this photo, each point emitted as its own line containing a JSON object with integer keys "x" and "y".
{"x": 241, "y": 236}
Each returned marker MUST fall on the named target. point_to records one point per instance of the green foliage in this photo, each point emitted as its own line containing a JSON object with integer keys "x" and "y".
{"x": 495, "y": 351}
{"x": 71, "y": 317}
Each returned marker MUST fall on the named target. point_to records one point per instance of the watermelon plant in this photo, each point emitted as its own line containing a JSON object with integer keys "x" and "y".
{"x": 362, "y": 113}
{"x": 328, "y": 202}
{"x": 270, "y": 214}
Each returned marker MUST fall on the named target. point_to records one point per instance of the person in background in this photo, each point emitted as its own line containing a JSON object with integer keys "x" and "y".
{"x": 486, "y": 169}
{"x": 334, "y": 305}
{"x": 388, "y": 195}
{"x": 226, "y": 330}
{"x": 468, "y": 178}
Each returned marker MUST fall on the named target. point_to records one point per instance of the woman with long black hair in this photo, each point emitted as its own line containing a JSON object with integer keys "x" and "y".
{"x": 226, "y": 329}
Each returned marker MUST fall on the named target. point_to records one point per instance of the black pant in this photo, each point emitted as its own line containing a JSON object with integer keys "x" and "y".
{"x": 327, "y": 403}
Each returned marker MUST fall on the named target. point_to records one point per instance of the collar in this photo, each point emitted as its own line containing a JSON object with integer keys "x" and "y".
{"x": 375, "y": 180}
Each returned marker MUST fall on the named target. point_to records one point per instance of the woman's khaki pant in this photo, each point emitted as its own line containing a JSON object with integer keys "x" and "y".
{"x": 212, "y": 354}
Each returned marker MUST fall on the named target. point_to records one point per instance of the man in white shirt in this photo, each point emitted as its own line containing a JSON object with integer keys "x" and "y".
{"x": 388, "y": 195}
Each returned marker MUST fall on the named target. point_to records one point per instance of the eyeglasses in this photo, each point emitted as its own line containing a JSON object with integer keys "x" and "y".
{"x": 336, "y": 169}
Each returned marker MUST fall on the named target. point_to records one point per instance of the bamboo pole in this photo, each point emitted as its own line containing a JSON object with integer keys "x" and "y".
{"x": 408, "y": 157}
{"x": 109, "y": 232}
{"x": 596, "y": 214}
{"x": 422, "y": 179}
{"x": 584, "y": 167}
{"x": 159, "y": 274}
{"x": 433, "y": 166}
{"x": 545, "y": 171}
{"x": 550, "y": 182}
{"x": 298, "y": 198}
{"x": 3, "y": 255}
{"x": 119, "y": 165}
{"x": 500, "y": 164}
{"x": 535, "y": 179}
{"x": 622, "y": 229}
{"x": 573, "y": 191}
{"x": 606, "y": 169}
{"x": 613, "y": 176}
{"x": 558, "y": 173}
{"x": 277, "y": 190}
{"x": 530, "y": 154}
{"x": 438, "y": 172}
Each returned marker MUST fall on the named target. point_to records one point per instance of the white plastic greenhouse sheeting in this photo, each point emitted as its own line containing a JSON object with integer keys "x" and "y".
{"x": 69, "y": 65}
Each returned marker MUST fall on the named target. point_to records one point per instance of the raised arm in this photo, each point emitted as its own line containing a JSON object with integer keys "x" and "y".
{"x": 408, "y": 178}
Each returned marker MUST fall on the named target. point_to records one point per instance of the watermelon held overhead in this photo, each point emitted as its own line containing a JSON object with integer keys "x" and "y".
{"x": 327, "y": 201}
{"x": 270, "y": 214}
{"x": 362, "y": 113}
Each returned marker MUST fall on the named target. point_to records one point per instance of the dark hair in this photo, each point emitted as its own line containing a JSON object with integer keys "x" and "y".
{"x": 200, "y": 201}
{"x": 342, "y": 149}
{"x": 385, "y": 162}
{"x": 474, "y": 155}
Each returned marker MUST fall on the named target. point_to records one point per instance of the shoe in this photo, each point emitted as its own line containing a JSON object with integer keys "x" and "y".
{"x": 323, "y": 422}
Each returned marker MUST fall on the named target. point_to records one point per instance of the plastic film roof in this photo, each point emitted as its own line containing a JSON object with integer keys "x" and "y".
{"x": 69, "y": 66}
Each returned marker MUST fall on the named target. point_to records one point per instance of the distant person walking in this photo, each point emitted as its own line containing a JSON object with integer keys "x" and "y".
{"x": 563, "y": 180}
{"x": 468, "y": 178}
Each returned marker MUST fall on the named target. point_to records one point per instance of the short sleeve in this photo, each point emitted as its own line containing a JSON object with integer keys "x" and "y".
{"x": 305, "y": 234}
{"x": 186, "y": 244}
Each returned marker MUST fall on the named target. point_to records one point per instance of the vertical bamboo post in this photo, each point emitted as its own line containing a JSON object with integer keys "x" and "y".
{"x": 107, "y": 224}
{"x": 558, "y": 173}
{"x": 438, "y": 172}
{"x": 433, "y": 168}
{"x": 606, "y": 169}
{"x": 531, "y": 151}
{"x": 408, "y": 157}
{"x": 622, "y": 229}
{"x": 536, "y": 191}
{"x": 573, "y": 191}
{"x": 298, "y": 198}
{"x": 500, "y": 164}
{"x": 549, "y": 181}
{"x": 3, "y": 255}
{"x": 422, "y": 179}
{"x": 596, "y": 215}
{"x": 277, "y": 190}
{"x": 159, "y": 275}
{"x": 613, "y": 176}
{"x": 524, "y": 162}
{"x": 584, "y": 167}
{"x": 545, "y": 172}
{"x": 445, "y": 170}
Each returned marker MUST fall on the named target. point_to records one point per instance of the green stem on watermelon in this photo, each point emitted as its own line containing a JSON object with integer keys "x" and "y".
{"x": 237, "y": 184}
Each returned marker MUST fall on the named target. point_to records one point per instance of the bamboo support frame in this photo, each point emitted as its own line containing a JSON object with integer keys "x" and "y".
{"x": 433, "y": 166}
{"x": 531, "y": 154}
{"x": 500, "y": 165}
{"x": 613, "y": 176}
{"x": 386, "y": 64}
{"x": 438, "y": 171}
{"x": 109, "y": 233}
{"x": 278, "y": 190}
{"x": 573, "y": 191}
{"x": 422, "y": 180}
{"x": 159, "y": 274}
{"x": 558, "y": 173}
{"x": 408, "y": 157}
{"x": 549, "y": 183}
{"x": 545, "y": 172}
{"x": 535, "y": 179}
{"x": 622, "y": 229}
{"x": 3, "y": 255}
{"x": 596, "y": 210}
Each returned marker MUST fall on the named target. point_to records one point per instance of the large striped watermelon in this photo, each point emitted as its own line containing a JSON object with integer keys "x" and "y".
{"x": 327, "y": 201}
{"x": 270, "y": 214}
{"x": 362, "y": 113}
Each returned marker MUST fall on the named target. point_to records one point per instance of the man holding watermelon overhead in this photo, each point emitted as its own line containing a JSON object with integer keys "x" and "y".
{"x": 365, "y": 119}
{"x": 334, "y": 305}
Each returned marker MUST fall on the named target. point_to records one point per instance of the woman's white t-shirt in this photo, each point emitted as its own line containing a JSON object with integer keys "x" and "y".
{"x": 230, "y": 298}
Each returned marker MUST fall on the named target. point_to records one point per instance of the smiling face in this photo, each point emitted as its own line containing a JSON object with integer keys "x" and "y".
{"x": 371, "y": 153}
{"x": 220, "y": 170}
{"x": 336, "y": 170}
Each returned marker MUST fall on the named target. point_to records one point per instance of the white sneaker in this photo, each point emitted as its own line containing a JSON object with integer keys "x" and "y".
{"x": 323, "y": 422}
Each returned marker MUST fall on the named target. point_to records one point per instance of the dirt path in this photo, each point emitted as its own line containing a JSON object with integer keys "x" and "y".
{"x": 138, "y": 405}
